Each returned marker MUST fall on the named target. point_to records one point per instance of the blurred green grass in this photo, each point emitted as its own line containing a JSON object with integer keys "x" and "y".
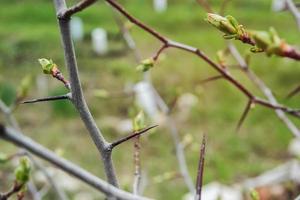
{"x": 29, "y": 31}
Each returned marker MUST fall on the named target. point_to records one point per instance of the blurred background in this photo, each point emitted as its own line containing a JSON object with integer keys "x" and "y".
{"x": 29, "y": 31}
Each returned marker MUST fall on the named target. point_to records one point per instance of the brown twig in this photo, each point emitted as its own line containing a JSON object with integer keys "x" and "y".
{"x": 173, "y": 44}
{"x": 200, "y": 169}
{"x": 293, "y": 92}
{"x": 76, "y": 8}
{"x": 244, "y": 115}
{"x": 137, "y": 165}
{"x": 16, "y": 188}
{"x": 122, "y": 140}
{"x": 205, "y": 5}
{"x": 210, "y": 79}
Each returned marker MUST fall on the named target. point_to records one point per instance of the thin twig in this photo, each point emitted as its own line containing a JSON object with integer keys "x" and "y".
{"x": 12, "y": 121}
{"x": 137, "y": 165}
{"x": 122, "y": 140}
{"x": 263, "y": 87}
{"x": 244, "y": 115}
{"x": 200, "y": 169}
{"x": 173, "y": 44}
{"x": 291, "y": 6}
{"x": 15, "y": 189}
{"x": 293, "y": 92}
{"x": 54, "y": 98}
{"x": 76, "y": 8}
{"x": 77, "y": 95}
{"x": 163, "y": 106}
{"x": 210, "y": 79}
{"x": 25, "y": 142}
{"x": 205, "y": 5}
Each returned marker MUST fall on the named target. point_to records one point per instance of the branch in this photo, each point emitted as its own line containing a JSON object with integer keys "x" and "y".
{"x": 25, "y": 142}
{"x": 173, "y": 44}
{"x": 163, "y": 106}
{"x": 292, "y": 7}
{"x": 200, "y": 169}
{"x": 15, "y": 189}
{"x": 210, "y": 79}
{"x": 75, "y": 9}
{"x": 54, "y": 98}
{"x": 77, "y": 95}
{"x": 293, "y": 92}
{"x": 263, "y": 87}
{"x": 137, "y": 165}
{"x": 244, "y": 115}
{"x": 120, "y": 141}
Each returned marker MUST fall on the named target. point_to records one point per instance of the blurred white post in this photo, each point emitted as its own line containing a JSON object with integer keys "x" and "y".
{"x": 76, "y": 27}
{"x": 99, "y": 41}
{"x": 42, "y": 85}
{"x": 278, "y": 5}
{"x": 145, "y": 98}
{"x": 160, "y": 5}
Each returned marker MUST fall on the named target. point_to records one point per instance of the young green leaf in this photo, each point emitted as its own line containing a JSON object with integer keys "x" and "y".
{"x": 22, "y": 172}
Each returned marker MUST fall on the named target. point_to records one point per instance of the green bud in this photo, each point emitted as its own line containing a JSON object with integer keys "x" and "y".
{"x": 3, "y": 158}
{"x": 275, "y": 37}
{"x": 139, "y": 121}
{"x": 262, "y": 39}
{"x": 22, "y": 172}
{"x": 24, "y": 86}
{"x": 224, "y": 24}
{"x": 254, "y": 195}
{"x": 47, "y": 65}
{"x": 145, "y": 65}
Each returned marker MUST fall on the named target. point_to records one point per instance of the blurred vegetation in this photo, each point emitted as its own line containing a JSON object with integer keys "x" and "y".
{"x": 29, "y": 31}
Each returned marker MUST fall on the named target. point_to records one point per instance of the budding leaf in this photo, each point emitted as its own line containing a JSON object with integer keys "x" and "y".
{"x": 47, "y": 65}
{"x": 22, "y": 172}
{"x": 24, "y": 87}
{"x": 145, "y": 65}
{"x": 3, "y": 158}
{"x": 224, "y": 24}
{"x": 254, "y": 195}
{"x": 139, "y": 121}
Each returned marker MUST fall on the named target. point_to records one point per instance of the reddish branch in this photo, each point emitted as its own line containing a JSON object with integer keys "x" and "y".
{"x": 15, "y": 189}
{"x": 172, "y": 44}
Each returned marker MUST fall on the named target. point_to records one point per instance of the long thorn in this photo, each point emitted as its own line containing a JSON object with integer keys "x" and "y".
{"x": 213, "y": 78}
{"x": 120, "y": 141}
{"x": 244, "y": 115}
{"x": 293, "y": 92}
{"x": 54, "y": 98}
{"x": 200, "y": 169}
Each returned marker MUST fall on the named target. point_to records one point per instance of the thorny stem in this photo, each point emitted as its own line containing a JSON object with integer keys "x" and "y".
{"x": 169, "y": 43}
{"x": 125, "y": 139}
{"x": 244, "y": 115}
{"x": 54, "y": 98}
{"x": 12, "y": 121}
{"x": 200, "y": 169}
{"x": 263, "y": 87}
{"x": 15, "y": 189}
{"x": 77, "y": 94}
{"x": 162, "y": 105}
{"x": 35, "y": 148}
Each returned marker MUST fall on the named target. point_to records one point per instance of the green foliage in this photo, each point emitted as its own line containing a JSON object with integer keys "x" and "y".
{"x": 22, "y": 172}
{"x": 145, "y": 65}
{"x": 7, "y": 93}
{"x": 47, "y": 65}
{"x": 139, "y": 121}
